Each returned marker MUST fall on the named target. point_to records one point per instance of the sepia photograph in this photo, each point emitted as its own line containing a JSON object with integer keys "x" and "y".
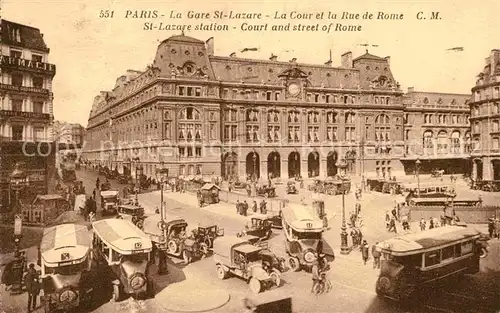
{"x": 276, "y": 156}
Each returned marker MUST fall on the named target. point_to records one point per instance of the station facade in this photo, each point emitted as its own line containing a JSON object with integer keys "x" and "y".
{"x": 196, "y": 113}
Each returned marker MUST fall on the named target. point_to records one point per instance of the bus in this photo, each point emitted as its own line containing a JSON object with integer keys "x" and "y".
{"x": 303, "y": 232}
{"x": 418, "y": 260}
{"x": 125, "y": 250}
{"x": 66, "y": 260}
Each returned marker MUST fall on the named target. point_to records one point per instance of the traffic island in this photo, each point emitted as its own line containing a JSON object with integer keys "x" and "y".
{"x": 185, "y": 297}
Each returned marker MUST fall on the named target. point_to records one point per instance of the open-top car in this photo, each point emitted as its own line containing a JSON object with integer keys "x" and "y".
{"x": 133, "y": 213}
{"x": 124, "y": 179}
{"x": 266, "y": 191}
{"x": 384, "y": 185}
{"x": 236, "y": 256}
{"x": 260, "y": 226}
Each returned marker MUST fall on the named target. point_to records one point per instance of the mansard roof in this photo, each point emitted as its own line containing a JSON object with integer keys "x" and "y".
{"x": 22, "y": 36}
{"x": 368, "y": 56}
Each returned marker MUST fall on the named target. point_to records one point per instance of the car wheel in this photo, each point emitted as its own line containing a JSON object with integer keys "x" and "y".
{"x": 204, "y": 249}
{"x": 187, "y": 256}
{"x": 294, "y": 264}
{"x": 140, "y": 224}
{"x": 255, "y": 285}
{"x": 208, "y": 242}
{"x": 276, "y": 277}
{"x": 268, "y": 234}
{"x": 221, "y": 272}
{"x": 483, "y": 253}
{"x": 172, "y": 247}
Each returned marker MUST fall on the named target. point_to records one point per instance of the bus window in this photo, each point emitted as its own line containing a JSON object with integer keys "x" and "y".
{"x": 105, "y": 251}
{"x": 412, "y": 261}
{"x": 447, "y": 253}
{"x": 458, "y": 250}
{"x": 432, "y": 258}
{"x": 306, "y": 235}
{"x": 466, "y": 247}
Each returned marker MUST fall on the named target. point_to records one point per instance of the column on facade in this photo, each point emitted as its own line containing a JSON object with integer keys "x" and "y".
{"x": 242, "y": 112}
{"x": 487, "y": 169}
{"x": 284, "y": 129}
{"x": 284, "y": 166}
{"x": 474, "y": 170}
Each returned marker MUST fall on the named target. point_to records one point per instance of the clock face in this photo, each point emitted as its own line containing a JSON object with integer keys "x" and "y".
{"x": 293, "y": 89}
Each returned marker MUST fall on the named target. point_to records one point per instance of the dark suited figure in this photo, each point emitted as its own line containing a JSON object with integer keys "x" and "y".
{"x": 32, "y": 287}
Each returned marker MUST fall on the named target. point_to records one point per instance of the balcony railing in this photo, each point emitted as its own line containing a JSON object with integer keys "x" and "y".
{"x": 22, "y": 114}
{"x": 24, "y": 89}
{"x": 27, "y": 65}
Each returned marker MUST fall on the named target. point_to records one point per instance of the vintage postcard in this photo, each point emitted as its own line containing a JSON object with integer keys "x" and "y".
{"x": 249, "y": 156}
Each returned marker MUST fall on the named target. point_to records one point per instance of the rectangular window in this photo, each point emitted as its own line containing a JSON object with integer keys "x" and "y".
{"x": 198, "y": 152}
{"x": 268, "y": 95}
{"x": 225, "y": 93}
{"x": 276, "y": 96}
{"x": 38, "y": 107}
{"x": 38, "y": 133}
{"x": 316, "y": 98}
{"x": 36, "y": 58}
{"x": 17, "y": 105}
{"x": 227, "y": 131}
{"x": 17, "y": 132}
{"x": 327, "y": 99}
{"x": 233, "y": 132}
{"x": 38, "y": 82}
{"x": 448, "y": 253}
{"x": 181, "y": 91}
{"x": 190, "y": 91}
{"x": 495, "y": 126}
{"x": 17, "y": 79}
{"x": 212, "y": 131}
{"x": 197, "y": 92}
{"x": 495, "y": 143}
{"x": 432, "y": 258}
{"x": 168, "y": 133}
{"x": 16, "y": 53}
{"x": 466, "y": 247}
{"x": 190, "y": 151}
{"x": 496, "y": 92}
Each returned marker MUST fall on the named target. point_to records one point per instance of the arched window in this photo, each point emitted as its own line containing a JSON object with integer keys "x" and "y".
{"x": 468, "y": 144}
{"x": 428, "y": 142}
{"x": 455, "y": 142}
{"x": 382, "y": 133}
{"x": 331, "y": 125}
{"x": 189, "y": 114}
{"x": 273, "y": 127}
{"x": 313, "y": 126}
{"x": 442, "y": 142}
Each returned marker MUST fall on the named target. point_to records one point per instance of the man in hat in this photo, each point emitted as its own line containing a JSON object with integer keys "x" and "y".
{"x": 364, "y": 251}
{"x": 376, "y": 256}
{"x": 32, "y": 287}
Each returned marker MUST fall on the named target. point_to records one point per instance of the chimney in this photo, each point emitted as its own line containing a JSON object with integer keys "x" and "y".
{"x": 210, "y": 46}
{"x": 233, "y": 55}
{"x": 328, "y": 63}
{"x": 346, "y": 60}
{"x": 273, "y": 57}
{"x": 294, "y": 60}
{"x": 388, "y": 60}
{"x": 411, "y": 89}
{"x": 494, "y": 58}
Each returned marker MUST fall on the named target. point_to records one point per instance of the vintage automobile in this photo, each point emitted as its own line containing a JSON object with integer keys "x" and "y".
{"x": 206, "y": 233}
{"x": 133, "y": 213}
{"x": 105, "y": 186}
{"x": 124, "y": 179}
{"x": 259, "y": 226}
{"x": 236, "y": 256}
{"x": 44, "y": 208}
{"x": 437, "y": 173}
{"x": 170, "y": 235}
{"x": 266, "y": 191}
{"x": 442, "y": 201}
{"x": 384, "y": 185}
{"x": 303, "y": 233}
{"x": 80, "y": 204}
{"x": 208, "y": 194}
{"x": 272, "y": 263}
{"x": 125, "y": 250}
{"x": 291, "y": 188}
{"x": 78, "y": 187}
{"x": 66, "y": 261}
{"x": 421, "y": 260}
{"x": 331, "y": 185}
{"x": 109, "y": 201}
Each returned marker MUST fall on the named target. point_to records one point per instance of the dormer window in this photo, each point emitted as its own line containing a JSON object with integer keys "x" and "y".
{"x": 16, "y": 53}
{"x": 189, "y": 68}
{"x": 36, "y": 58}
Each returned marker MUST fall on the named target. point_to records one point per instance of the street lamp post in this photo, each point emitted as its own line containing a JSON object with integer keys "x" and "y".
{"x": 344, "y": 248}
{"x": 162, "y": 176}
{"x": 417, "y": 170}
{"x": 254, "y": 158}
{"x": 18, "y": 181}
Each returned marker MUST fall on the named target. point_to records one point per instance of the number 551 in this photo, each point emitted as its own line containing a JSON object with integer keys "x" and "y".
{"x": 106, "y": 14}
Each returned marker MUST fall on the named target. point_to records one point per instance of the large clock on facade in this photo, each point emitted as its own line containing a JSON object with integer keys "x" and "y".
{"x": 293, "y": 89}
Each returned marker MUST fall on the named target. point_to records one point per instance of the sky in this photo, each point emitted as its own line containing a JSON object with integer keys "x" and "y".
{"x": 91, "y": 52}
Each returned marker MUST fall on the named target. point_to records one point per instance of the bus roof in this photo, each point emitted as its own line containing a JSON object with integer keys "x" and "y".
{"x": 301, "y": 218}
{"x": 122, "y": 235}
{"x": 428, "y": 239}
{"x": 64, "y": 243}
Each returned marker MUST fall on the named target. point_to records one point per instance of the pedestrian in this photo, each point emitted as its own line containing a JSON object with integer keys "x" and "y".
{"x": 237, "y": 206}
{"x": 431, "y": 223}
{"x": 392, "y": 226}
{"x": 157, "y": 210}
{"x": 230, "y": 186}
{"x": 376, "y": 256}
{"x": 354, "y": 236}
{"x": 32, "y": 287}
{"x": 394, "y": 213}
{"x": 364, "y": 251}
{"x": 406, "y": 224}
{"x": 387, "y": 220}
{"x": 245, "y": 207}
{"x": 422, "y": 224}
{"x": 254, "y": 206}
{"x": 358, "y": 208}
